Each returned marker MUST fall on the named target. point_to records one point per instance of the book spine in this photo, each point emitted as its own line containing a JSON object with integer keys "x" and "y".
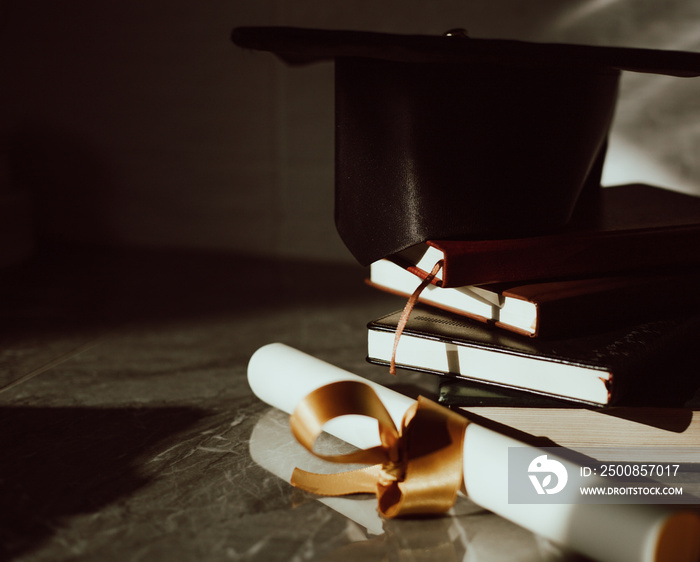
{"x": 485, "y": 262}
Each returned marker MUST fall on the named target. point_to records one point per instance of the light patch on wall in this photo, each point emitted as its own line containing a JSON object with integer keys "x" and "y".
{"x": 577, "y": 12}
{"x": 627, "y": 163}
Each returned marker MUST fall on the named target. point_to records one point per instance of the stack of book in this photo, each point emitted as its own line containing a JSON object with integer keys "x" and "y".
{"x": 590, "y": 330}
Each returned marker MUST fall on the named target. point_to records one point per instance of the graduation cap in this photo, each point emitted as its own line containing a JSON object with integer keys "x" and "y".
{"x": 450, "y": 137}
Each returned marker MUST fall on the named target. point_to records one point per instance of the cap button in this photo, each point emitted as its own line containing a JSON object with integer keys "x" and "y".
{"x": 457, "y": 32}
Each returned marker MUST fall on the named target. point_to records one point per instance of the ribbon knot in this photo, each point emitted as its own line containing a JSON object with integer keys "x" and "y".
{"x": 417, "y": 469}
{"x": 391, "y": 472}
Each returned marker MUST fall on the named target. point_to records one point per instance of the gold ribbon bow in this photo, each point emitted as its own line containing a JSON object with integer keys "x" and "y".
{"x": 415, "y": 470}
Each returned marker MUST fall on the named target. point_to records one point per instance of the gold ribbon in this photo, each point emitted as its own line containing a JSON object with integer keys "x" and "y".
{"x": 417, "y": 469}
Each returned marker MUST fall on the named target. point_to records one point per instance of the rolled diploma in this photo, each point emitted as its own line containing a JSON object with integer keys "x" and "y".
{"x": 281, "y": 376}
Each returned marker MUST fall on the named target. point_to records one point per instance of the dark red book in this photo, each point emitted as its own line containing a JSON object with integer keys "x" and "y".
{"x": 551, "y": 309}
{"x": 630, "y": 228}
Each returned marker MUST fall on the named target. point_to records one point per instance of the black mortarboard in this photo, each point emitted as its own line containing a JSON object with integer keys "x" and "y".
{"x": 448, "y": 137}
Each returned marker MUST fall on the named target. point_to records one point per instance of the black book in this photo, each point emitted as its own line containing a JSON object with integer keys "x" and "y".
{"x": 646, "y": 364}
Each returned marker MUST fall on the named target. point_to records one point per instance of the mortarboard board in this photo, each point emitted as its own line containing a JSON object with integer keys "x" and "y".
{"x": 449, "y": 137}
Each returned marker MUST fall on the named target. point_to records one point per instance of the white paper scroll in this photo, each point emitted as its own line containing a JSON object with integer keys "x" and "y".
{"x": 281, "y": 376}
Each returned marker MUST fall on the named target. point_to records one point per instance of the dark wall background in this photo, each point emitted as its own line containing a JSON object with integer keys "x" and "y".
{"x": 138, "y": 122}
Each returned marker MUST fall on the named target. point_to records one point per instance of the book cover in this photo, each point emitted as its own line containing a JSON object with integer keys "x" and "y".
{"x": 550, "y": 309}
{"x": 457, "y": 393}
{"x": 630, "y": 228}
{"x": 646, "y": 363}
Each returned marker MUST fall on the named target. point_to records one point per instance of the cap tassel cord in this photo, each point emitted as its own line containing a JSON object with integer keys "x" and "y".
{"x": 412, "y": 300}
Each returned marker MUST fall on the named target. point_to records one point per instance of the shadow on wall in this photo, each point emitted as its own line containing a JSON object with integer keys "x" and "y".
{"x": 68, "y": 182}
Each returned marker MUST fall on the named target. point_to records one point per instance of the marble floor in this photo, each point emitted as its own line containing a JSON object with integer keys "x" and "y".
{"x": 128, "y": 431}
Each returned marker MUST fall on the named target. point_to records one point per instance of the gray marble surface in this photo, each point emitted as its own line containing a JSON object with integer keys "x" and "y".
{"x": 128, "y": 431}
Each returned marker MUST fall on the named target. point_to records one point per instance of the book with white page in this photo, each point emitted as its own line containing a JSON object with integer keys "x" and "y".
{"x": 643, "y": 363}
{"x": 553, "y": 308}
